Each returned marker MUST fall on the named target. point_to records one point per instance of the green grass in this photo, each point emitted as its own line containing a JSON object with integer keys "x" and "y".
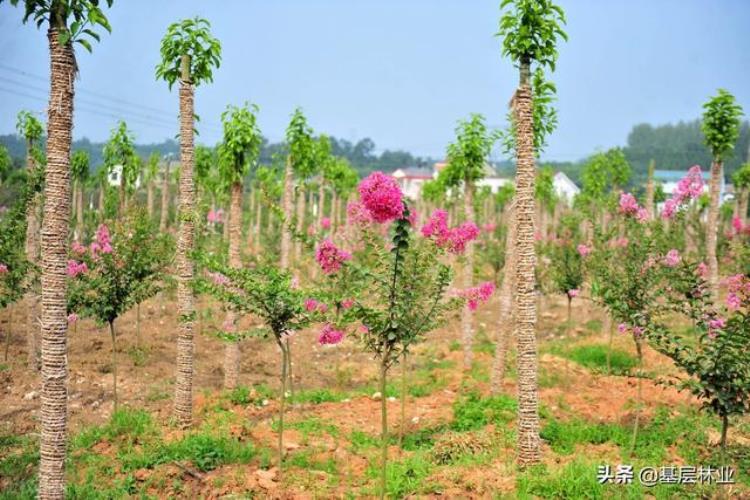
{"x": 594, "y": 357}
{"x": 317, "y": 396}
{"x": 243, "y": 395}
{"x": 404, "y": 477}
{"x": 310, "y": 426}
{"x": 473, "y": 411}
{"x": 305, "y": 459}
{"x": 482, "y": 343}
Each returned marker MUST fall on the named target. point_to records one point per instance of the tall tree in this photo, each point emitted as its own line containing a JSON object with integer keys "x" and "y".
{"x": 721, "y": 126}
{"x": 164, "y": 208}
{"x": 741, "y": 180}
{"x": 467, "y": 158}
{"x": 530, "y": 30}
{"x": 31, "y": 130}
{"x": 239, "y": 153}
{"x": 119, "y": 155}
{"x": 189, "y": 53}
{"x": 650, "y": 189}
{"x": 151, "y": 172}
{"x": 68, "y": 21}
{"x": 299, "y": 162}
{"x": 79, "y": 168}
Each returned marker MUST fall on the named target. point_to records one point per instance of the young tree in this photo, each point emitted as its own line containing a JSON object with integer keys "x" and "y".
{"x": 79, "y": 169}
{"x": 114, "y": 274}
{"x": 467, "y": 158}
{"x": 68, "y": 22}
{"x": 119, "y": 152}
{"x": 238, "y": 153}
{"x": 721, "y": 127}
{"x": 505, "y": 320}
{"x": 299, "y": 162}
{"x": 31, "y": 129}
{"x": 741, "y": 180}
{"x": 530, "y": 30}
{"x": 164, "y": 208}
{"x": 151, "y": 172}
{"x": 189, "y": 53}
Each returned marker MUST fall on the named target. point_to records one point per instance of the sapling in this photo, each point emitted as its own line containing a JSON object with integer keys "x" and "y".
{"x": 402, "y": 279}
{"x": 270, "y": 294}
{"x": 114, "y": 273}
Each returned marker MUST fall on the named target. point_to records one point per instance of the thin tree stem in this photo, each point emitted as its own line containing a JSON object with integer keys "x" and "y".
{"x": 383, "y": 428}
{"x": 282, "y": 402}
{"x": 114, "y": 360}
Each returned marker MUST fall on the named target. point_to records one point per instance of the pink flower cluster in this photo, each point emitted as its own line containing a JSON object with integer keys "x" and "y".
{"x": 218, "y": 278}
{"x": 357, "y": 214}
{"x": 636, "y": 330}
{"x": 478, "y": 294}
{"x": 453, "y": 239}
{"x": 584, "y": 250}
{"x": 347, "y": 303}
{"x": 325, "y": 223}
{"x": 702, "y": 270}
{"x": 78, "y": 248}
{"x": 3, "y": 268}
{"x": 75, "y": 268}
{"x": 672, "y": 258}
{"x": 329, "y": 335}
{"x": 330, "y": 257}
{"x": 489, "y": 227}
{"x": 714, "y": 325}
{"x": 103, "y": 241}
{"x": 689, "y": 187}
{"x": 738, "y": 291}
{"x": 215, "y": 216}
{"x": 620, "y": 242}
{"x": 629, "y": 206}
{"x": 312, "y": 305}
{"x": 382, "y": 197}
{"x": 574, "y": 292}
{"x": 72, "y": 318}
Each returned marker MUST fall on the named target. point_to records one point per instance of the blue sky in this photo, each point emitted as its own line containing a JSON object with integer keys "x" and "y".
{"x": 401, "y": 73}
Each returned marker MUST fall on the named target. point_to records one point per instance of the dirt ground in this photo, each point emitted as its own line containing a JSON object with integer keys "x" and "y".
{"x": 146, "y": 381}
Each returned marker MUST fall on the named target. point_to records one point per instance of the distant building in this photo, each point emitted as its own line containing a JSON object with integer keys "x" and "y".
{"x": 411, "y": 180}
{"x": 114, "y": 177}
{"x": 490, "y": 179}
{"x": 565, "y": 189}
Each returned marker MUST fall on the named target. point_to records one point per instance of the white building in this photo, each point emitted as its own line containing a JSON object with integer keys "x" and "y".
{"x": 114, "y": 177}
{"x": 565, "y": 189}
{"x": 411, "y": 180}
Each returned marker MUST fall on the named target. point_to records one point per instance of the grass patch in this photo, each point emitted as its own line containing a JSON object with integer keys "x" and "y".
{"x": 317, "y": 396}
{"x": 404, "y": 477}
{"x": 306, "y": 460}
{"x": 473, "y": 411}
{"x": 483, "y": 343}
{"x": 310, "y": 426}
{"x": 594, "y": 357}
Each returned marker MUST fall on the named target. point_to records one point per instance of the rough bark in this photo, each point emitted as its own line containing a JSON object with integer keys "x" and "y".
{"x": 529, "y": 450}
{"x": 650, "y": 190}
{"x": 183, "y": 402}
{"x": 743, "y": 205}
{"x": 467, "y": 330}
{"x": 79, "y": 210}
{"x": 232, "y": 348}
{"x": 32, "y": 255}
{"x": 712, "y": 229}
{"x": 150, "y": 199}
{"x": 286, "y": 206}
{"x": 164, "y": 199}
{"x": 54, "y": 231}
{"x": 505, "y": 319}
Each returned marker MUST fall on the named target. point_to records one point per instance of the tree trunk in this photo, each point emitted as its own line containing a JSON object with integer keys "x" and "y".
{"x": 468, "y": 278}
{"x": 334, "y": 213}
{"x": 383, "y": 428}
{"x": 32, "y": 255}
{"x": 55, "y": 227}
{"x": 743, "y": 205}
{"x": 286, "y": 208}
{"x": 183, "y": 402}
{"x": 300, "y": 222}
{"x": 650, "y": 190}
{"x": 258, "y": 222}
{"x": 232, "y": 348}
{"x": 724, "y": 429}
{"x": 321, "y": 204}
{"x": 150, "y": 199}
{"x": 529, "y": 450}
{"x": 712, "y": 229}
{"x": 102, "y": 192}
{"x": 123, "y": 192}
{"x": 114, "y": 361}
{"x": 79, "y": 211}
{"x": 505, "y": 318}
{"x": 165, "y": 198}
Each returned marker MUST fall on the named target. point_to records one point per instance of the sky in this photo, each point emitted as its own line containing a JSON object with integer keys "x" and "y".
{"x": 402, "y": 73}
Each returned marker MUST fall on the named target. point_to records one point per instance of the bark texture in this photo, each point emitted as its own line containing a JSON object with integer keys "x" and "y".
{"x": 650, "y": 190}
{"x": 287, "y": 206}
{"x": 33, "y": 332}
{"x": 467, "y": 330}
{"x": 165, "y": 195}
{"x": 55, "y": 227}
{"x": 150, "y": 199}
{"x": 183, "y": 401}
{"x": 505, "y": 318}
{"x": 300, "y": 221}
{"x": 712, "y": 229}
{"x": 232, "y": 348}
{"x": 529, "y": 451}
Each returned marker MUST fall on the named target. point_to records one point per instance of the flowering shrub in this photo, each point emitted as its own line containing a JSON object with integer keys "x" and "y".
{"x": 688, "y": 188}
{"x": 381, "y": 196}
{"x": 116, "y": 273}
{"x": 452, "y": 239}
{"x": 330, "y": 257}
